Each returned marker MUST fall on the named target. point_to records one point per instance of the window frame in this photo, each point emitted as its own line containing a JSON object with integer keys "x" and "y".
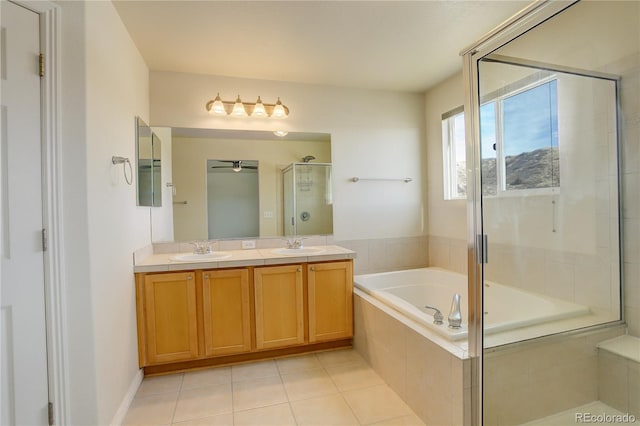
{"x": 497, "y": 97}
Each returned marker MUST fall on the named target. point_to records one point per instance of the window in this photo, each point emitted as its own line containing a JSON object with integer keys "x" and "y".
{"x": 518, "y": 139}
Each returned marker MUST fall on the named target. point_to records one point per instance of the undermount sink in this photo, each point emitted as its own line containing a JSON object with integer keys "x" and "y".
{"x": 298, "y": 251}
{"x": 193, "y": 257}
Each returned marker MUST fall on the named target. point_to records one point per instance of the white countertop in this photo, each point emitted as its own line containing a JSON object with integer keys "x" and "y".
{"x": 240, "y": 258}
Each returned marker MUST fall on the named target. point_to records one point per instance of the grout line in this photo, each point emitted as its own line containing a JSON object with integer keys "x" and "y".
{"x": 175, "y": 407}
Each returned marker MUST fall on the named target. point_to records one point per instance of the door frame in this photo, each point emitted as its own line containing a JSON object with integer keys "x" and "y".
{"x": 52, "y": 213}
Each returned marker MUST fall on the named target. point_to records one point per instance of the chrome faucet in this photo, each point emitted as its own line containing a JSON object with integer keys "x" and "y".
{"x": 437, "y": 317}
{"x": 202, "y": 247}
{"x": 455, "y": 316}
{"x": 294, "y": 243}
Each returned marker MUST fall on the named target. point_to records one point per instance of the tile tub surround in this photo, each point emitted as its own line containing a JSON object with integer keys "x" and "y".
{"x": 590, "y": 280}
{"x": 532, "y": 380}
{"x": 326, "y": 388}
{"x": 433, "y": 381}
{"x": 619, "y": 374}
{"x": 161, "y": 262}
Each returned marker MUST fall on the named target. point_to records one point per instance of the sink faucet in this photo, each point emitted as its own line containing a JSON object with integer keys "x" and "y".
{"x": 201, "y": 247}
{"x": 455, "y": 316}
{"x": 294, "y": 243}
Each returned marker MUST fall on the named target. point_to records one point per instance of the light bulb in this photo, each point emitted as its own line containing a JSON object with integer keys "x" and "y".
{"x": 258, "y": 110}
{"x": 281, "y": 133}
{"x": 278, "y": 110}
{"x": 238, "y": 108}
{"x": 217, "y": 107}
{"x": 237, "y": 166}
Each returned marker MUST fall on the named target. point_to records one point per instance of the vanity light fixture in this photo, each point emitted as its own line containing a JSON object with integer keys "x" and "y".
{"x": 243, "y": 109}
{"x": 236, "y": 166}
{"x": 281, "y": 133}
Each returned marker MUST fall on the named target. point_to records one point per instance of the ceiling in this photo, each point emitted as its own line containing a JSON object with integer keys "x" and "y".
{"x": 388, "y": 45}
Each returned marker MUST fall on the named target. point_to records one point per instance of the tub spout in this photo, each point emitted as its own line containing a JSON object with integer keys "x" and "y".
{"x": 437, "y": 317}
{"x": 455, "y": 316}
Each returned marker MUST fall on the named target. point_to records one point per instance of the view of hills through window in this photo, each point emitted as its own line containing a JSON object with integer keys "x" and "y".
{"x": 523, "y": 144}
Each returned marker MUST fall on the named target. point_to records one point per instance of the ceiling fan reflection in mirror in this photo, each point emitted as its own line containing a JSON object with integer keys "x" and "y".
{"x": 235, "y": 165}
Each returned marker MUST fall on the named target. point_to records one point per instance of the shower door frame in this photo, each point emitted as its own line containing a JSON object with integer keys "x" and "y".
{"x": 531, "y": 16}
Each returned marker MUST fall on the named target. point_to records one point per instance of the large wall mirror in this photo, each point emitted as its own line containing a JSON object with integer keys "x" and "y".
{"x": 148, "y": 160}
{"x": 238, "y": 184}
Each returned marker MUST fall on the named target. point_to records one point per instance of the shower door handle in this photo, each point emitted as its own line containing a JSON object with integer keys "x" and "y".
{"x": 482, "y": 249}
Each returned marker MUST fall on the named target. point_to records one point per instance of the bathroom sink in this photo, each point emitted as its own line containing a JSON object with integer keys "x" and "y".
{"x": 192, "y": 257}
{"x": 302, "y": 251}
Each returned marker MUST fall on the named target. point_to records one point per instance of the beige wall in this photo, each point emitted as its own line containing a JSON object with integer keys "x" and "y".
{"x": 104, "y": 86}
{"x": 189, "y": 159}
{"x": 373, "y": 134}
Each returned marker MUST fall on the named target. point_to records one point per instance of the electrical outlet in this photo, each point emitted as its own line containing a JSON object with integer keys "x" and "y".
{"x": 249, "y": 244}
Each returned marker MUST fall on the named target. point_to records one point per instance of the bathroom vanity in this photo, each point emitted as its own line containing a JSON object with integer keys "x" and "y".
{"x": 253, "y": 304}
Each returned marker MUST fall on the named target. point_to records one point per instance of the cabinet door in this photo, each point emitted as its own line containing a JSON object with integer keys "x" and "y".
{"x": 330, "y": 301}
{"x": 225, "y": 305}
{"x": 170, "y": 314}
{"x": 279, "y": 306}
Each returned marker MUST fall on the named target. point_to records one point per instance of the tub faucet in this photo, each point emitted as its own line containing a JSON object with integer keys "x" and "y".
{"x": 455, "y": 316}
{"x": 437, "y": 317}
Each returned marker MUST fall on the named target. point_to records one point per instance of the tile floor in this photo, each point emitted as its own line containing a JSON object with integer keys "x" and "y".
{"x": 568, "y": 417}
{"x": 328, "y": 388}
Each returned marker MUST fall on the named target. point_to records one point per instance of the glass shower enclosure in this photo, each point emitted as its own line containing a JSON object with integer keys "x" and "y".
{"x": 307, "y": 199}
{"x": 552, "y": 154}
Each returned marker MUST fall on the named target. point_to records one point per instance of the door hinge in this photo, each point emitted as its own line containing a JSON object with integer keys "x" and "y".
{"x": 44, "y": 240}
{"x": 41, "y": 64}
{"x": 50, "y": 413}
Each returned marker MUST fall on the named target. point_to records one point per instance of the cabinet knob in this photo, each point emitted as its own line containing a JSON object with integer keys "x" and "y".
{"x": 313, "y": 268}
{"x": 189, "y": 277}
{"x": 206, "y": 276}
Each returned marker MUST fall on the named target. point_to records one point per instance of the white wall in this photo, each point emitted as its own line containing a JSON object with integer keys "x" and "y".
{"x": 105, "y": 85}
{"x": 373, "y": 134}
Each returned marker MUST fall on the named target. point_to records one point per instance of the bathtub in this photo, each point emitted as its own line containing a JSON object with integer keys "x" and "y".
{"x": 506, "y": 308}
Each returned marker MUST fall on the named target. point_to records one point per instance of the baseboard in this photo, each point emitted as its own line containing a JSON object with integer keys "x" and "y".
{"x": 118, "y": 418}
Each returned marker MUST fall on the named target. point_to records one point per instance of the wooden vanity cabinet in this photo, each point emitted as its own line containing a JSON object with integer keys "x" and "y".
{"x": 279, "y": 301}
{"x": 330, "y": 287}
{"x": 170, "y": 328}
{"x": 226, "y": 312}
{"x": 199, "y": 318}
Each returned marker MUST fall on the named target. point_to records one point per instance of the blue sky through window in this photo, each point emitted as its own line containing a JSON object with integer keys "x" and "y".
{"x": 531, "y": 120}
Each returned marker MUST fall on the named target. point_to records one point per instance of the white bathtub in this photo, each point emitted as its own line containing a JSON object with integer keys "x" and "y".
{"x": 506, "y": 308}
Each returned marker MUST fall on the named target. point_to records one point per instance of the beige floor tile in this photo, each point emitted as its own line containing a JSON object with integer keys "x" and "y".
{"x": 353, "y": 376}
{"x": 341, "y": 356}
{"x": 298, "y": 363}
{"x": 274, "y": 415}
{"x": 151, "y": 410}
{"x": 257, "y": 393}
{"x": 203, "y": 402}
{"x": 254, "y": 370}
{"x": 308, "y": 384}
{"x": 209, "y": 377}
{"x": 411, "y": 420}
{"x": 219, "y": 420}
{"x": 375, "y": 404}
{"x": 324, "y": 411}
{"x": 160, "y": 384}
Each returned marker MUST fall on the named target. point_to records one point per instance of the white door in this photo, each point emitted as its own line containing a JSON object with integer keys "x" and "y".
{"x": 24, "y": 389}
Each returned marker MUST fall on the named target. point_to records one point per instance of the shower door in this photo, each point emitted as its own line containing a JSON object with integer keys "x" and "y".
{"x": 550, "y": 96}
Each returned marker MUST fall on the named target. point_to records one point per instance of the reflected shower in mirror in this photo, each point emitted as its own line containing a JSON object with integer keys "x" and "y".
{"x": 212, "y": 201}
